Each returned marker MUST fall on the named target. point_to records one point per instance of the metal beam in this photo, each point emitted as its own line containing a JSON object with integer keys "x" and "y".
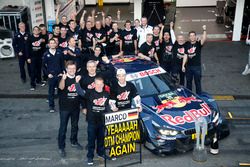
{"x": 238, "y": 20}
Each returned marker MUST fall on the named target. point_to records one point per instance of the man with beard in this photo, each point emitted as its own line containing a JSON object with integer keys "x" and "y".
{"x": 179, "y": 57}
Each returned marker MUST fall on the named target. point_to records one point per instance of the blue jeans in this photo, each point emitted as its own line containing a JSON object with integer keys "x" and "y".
{"x": 95, "y": 132}
{"x": 53, "y": 83}
{"x": 194, "y": 72}
{"x": 64, "y": 119}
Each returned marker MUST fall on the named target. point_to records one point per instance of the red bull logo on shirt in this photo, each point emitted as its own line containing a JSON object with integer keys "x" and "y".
{"x": 100, "y": 101}
{"x": 123, "y": 95}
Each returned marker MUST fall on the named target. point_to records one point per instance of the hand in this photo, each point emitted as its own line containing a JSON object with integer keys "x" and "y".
{"x": 139, "y": 109}
{"x": 65, "y": 52}
{"x": 103, "y": 14}
{"x": 84, "y": 111}
{"x": 50, "y": 76}
{"x": 78, "y": 78}
{"x": 64, "y": 75}
{"x": 171, "y": 25}
{"x": 157, "y": 61}
{"x": 204, "y": 27}
{"x": 115, "y": 109}
{"x": 93, "y": 12}
{"x": 20, "y": 53}
{"x": 29, "y": 61}
{"x": 160, "y": 25}
{"x": 148, "y": 58}
{"x": 183, "y": 69}
{"x": 105, "y": 59}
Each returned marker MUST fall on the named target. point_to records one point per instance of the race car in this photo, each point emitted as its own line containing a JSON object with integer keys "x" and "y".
{"x": 170, "y": 110}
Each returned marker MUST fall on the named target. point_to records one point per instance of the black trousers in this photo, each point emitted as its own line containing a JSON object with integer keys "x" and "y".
{"x": 22, "y": 61}
{"x": 95, "y": 135}
{"x": 178, "y": 74}
{"x": 36, "y": 68}
{"x": 194, "y": 73}
{"x": 53, "y": 83}
{"x": 64, "y": 119}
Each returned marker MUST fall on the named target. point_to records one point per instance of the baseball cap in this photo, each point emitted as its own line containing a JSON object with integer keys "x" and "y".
{"x": 120, "y": 71}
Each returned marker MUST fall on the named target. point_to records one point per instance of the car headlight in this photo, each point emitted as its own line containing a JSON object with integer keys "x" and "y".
{"x": 168, "y": 132}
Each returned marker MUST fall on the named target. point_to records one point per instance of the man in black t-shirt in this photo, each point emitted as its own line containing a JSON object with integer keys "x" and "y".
{"x": 97, "y": 105}
{"x": 194, "y": 60}
{"x": 123, "y": 93}
{"x": 129, "y": 40}
{"x": 179, "y": 54}
{"x": 147, "y": 50}
{"x": 69, "y": 105}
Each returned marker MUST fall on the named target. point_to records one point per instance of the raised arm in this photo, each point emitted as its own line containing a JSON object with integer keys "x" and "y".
{"x": 79, "y": 90}
{"x": 57, "y": 13}
{"x": 103, "y": 19}
{"x": 62, "y": 81}
{"x": 204, "y": 35}
{"x": 172, "y": 34}
{"x": 82, "y": 22}
{"x": 161, "y": 34}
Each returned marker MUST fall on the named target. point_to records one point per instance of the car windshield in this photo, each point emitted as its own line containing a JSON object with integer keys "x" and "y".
{"x": 154, "y": 84}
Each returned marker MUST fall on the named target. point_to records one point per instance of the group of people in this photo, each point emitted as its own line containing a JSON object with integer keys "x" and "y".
{"x": 76, "y": 58}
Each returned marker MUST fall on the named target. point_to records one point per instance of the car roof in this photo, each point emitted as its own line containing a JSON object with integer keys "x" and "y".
{"x": 133, "y": 65}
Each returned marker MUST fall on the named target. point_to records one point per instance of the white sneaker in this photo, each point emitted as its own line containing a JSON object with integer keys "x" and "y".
{"x": 246, "y": 71}
{"x": 214, "y": 151}
{"x": 32, "y": 89}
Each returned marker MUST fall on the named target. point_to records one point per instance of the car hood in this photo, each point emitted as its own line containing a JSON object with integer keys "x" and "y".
{"x": 177, "y": 109}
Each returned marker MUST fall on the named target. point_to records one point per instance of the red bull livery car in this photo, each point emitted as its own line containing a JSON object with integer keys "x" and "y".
{"x": 169, "y": 111}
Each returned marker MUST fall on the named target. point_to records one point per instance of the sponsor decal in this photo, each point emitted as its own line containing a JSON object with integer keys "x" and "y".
{"x": 72, "y": 88}
{"x": 123, "y": 95}
{"x": 91, "y": 86}
{"x": 191, "y": 50}
{"x": 125, "y": 60}
{"x": 189, "y": 115}
{"x": 176, "y": 102}
{"x": 100, "y": 101}
{"x": 98, "y": 35}
{"x": 181, "y": 50}
{"x": 36, "y": 43}
{"x": 128, "y": 37}
{"x": 64, "y": 44}
{"x": 143, "y": 74}
{"x": 168, "y": 48}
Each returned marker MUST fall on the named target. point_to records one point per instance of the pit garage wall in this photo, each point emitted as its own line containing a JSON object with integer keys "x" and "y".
{"x": 195, "y": 3}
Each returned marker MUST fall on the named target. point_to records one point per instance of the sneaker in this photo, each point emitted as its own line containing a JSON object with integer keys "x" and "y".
{"x": 77, "y": 146}
{"x": 32, "y": 89}
{"x": 62, "y": 153}
{"x": 52, "y": 110}
{"x": 90, "y": 161}
{"x": 47, "y": 101}
{"x": 113, "y": 159}
{"x": 247, "y": 70}
{"x": 43, "y": 83}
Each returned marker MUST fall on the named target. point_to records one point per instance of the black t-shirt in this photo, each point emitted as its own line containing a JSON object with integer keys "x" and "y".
{"x": 61, "y": 24}
{"x": 78, "y": 58}
{"x": 194, "y": 53}
{"x": 35, "y": 46}
{"x": 97, "y": 105}
{"x": 86, "y": 37}
{"x": 68, "y": 97}
{"x": 62, "y": 43}
{"x": 74, "y": 34}
{"x": 128, "y": 38}
{"x": 178, "y": 53}
{"x": 156, "y": 41}
{"x": 147, "y": 50}
{"x": 99, "y": 33}
{"x": 123, "y": 95}
{"x": 166, "y": 51}
{"x": 46, "y": 38}
{"x": 116, "y": 43}
{"x": 87, "y": 82}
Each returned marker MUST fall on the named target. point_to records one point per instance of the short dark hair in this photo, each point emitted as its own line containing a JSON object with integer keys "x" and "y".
{"x": 99, "y": 78}
{"x": 192, "y": 32}
{"x": 36, "y": 27}
{"x": 69, "y": 38}
{"x": 52, "y": 40}
{"x": 54, "y": 26}
{"x": 69, "y": 63}
{"x": 42, "y": 25}
{"x": 69, "y": 22}
{"x": 63, "y": 26}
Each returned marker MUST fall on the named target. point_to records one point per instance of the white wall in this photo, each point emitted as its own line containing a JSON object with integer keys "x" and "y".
{"x": 190, "y": 3}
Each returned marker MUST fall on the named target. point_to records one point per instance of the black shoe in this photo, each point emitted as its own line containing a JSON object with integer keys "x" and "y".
{"x": 77, "y": 146}
{"x": 90, "y": 161}
{"x": 62, "y": 153}
{"x": 102, "y": 157}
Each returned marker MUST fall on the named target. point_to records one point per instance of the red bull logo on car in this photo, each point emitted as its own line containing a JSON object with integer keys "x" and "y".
{"x": 176, "y": 102}
{"x": 189, "y": 115}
